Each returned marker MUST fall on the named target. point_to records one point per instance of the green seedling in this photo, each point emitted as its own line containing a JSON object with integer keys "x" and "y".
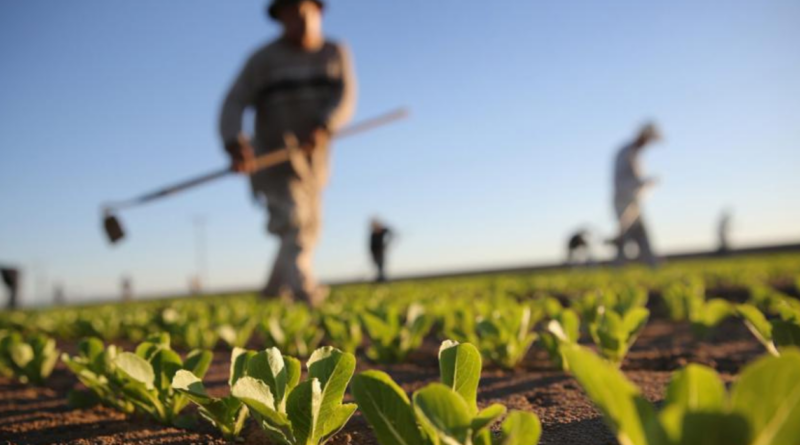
{"x": 291, "y": 412}
{"x": 762, "y": 408}
{"x": 443, "y": 413}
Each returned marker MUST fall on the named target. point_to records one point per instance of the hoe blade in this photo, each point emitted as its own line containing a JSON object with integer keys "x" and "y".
{"x": 113, "y": 228}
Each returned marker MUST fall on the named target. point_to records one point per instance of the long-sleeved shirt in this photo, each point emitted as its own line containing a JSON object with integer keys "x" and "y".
{"x": 292, "y": 91}
{"x": 628, "y": 180}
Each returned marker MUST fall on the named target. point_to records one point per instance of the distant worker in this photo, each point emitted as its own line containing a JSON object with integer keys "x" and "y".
{"x": 723, "y": 231}
{"x": 379, "y": 240}
{"x": 126, "y": 288}
{"x": 11, "y": 280}
{"x": 59, "y": 295}
{"x": 629, "y": 186}
{"x": 302, "y": 89}
{"x": 578, "y": 249}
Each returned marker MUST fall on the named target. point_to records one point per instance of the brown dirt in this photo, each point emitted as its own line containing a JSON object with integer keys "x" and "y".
{"x": 30, "y": 415}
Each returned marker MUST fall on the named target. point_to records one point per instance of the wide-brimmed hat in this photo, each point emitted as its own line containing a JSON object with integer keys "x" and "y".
{"x": 651, "y": 132}
{"x": 276, "y": 5}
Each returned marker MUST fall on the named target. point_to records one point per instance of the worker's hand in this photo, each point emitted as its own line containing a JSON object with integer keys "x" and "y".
{"x": 319, "y": 137}
{"x": 242, "y": 156}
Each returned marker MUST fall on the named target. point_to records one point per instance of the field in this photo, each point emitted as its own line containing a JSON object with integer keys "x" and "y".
{"x": 648, "y": 324}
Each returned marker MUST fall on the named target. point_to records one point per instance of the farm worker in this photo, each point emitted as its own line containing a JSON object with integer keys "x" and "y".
{"x": 578, "y": 249}
{"x": 302, "y": 89}
{"x": 723, "y": 231}
{"x": 379, "y": 239}
{"x": 11, "y": 279}
{"x": 629, "y": 185}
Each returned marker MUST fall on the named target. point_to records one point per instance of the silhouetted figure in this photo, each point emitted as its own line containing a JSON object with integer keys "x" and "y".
{"x": 578, "y": 249}
{"x": 11, "y": 279}
{"x": 302, "y": 89}
{"x": 629, "y": 185}
{"x": 723, "y": 231}
{"x": 126, "y": 286}
{"x": 379, "y": 239}
{"x": 59, "y": 295}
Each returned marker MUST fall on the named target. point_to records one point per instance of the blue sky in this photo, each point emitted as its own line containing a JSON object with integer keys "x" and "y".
{"x": 517, "y": 108}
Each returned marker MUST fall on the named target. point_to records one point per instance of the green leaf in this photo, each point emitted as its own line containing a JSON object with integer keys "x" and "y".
{"x": 192, "y": 386}
{"x": 634, "y": 321}
{"x": 767, "y": 394}
{"x": 386, "y": 408}
{"x": 255, "y": 393}
{"x": 293, "y": 371}
{"x": 21, "y": 353}
{"x": 624, "y": 409}
{"x": 697, "y": 388}
{"x": 571, "y": 325}
{"x": 268, "y": 366}
{"x": 198, "y": 361}
{"x": 703, "y": 427}
{"x": 443, "y": 413}
{"x": 302, "y": 407}
{"x": 520, "y": 428}
{"x": 257, "y": 396}
{"x": 136, "y": 368}
{"x": 487, "y": 416}
{"x": 239, "y": 360}
{"x": 716, "y": 310}
{"x": 757, "y": 323}
{"x": 333, "y": 368}
{"x": 91, "y": 348}
{"x": 165, "y": 363}
{"x": 460, "y": 369}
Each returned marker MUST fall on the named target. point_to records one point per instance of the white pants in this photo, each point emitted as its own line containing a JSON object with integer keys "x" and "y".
{"x": 295, "y": 208}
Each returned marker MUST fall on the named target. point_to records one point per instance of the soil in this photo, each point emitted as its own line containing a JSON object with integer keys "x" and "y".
{"x": 31, "y": 415}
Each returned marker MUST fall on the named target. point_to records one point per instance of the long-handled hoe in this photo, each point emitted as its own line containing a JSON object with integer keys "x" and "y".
{"x": 114, "y": 230}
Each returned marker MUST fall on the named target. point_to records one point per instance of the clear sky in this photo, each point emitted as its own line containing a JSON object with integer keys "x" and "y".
{"x": 518, "y": 108}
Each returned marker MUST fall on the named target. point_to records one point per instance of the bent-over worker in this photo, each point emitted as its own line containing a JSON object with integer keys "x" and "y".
{"x": 629, "y": 184}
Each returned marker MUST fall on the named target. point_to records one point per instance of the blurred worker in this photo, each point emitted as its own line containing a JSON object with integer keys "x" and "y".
{"x": 302, "y": 89}
{"x": 379, "y": 239}
{"x": 59, "y": 296}
{"x": 11, "y": 279}
{"x": 578, "y": 249}
{"x": 723, "y": 231}
{"x": 126, "y": 287}
{"x": 629, "y": 185}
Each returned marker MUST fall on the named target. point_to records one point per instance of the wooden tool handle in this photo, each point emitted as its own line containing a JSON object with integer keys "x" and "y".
{"x": 279, "y": 156}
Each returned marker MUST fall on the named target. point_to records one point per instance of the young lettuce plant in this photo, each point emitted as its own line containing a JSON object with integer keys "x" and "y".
{"x": 294, "y": 413}
{"x": 148, "y": 375}
{"x": 391, "y": 337}
{"x": 343, "y": 331}
{"x": 706, "y": 315}
{"x": 228, "y": 414}
{"x": 459, "y": 323}
{"x": 506, "y": 335}
{"x": 621, "y": 301}
{"x": 614, "y": 334}
{"x": 761, "y": 409}
{"x": 687, "y": 301}
{"x": 29, "y": 360}
{"x": 775, "y": 335}
{"x": 443, "y": 413}
{"x": 95, "y": 367}
{"x": 237, "y": 337}
{"x": 678, "y": 297}
{"x": 563, "y": 328}
{"x": 293, "y": 329}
